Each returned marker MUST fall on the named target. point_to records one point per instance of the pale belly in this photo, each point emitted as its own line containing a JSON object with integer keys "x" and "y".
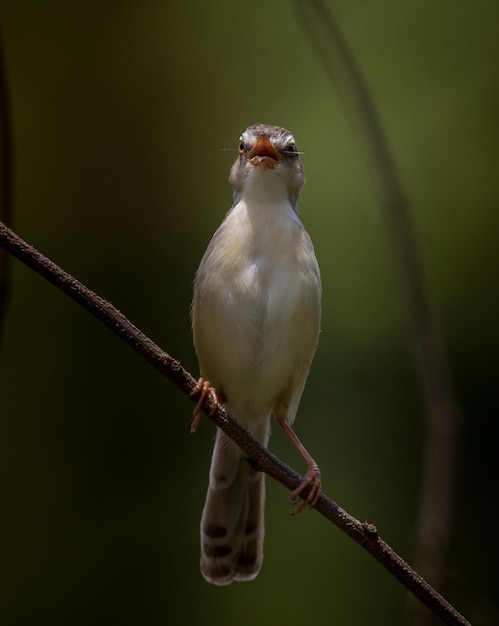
{"x": 256, "y": 334}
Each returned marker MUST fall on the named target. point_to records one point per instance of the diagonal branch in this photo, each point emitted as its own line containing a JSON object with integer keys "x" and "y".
{"x": 444, "y": 412}
{"x": 364, "y": 534}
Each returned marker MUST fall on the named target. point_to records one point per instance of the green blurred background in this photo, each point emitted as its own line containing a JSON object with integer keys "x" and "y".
{"x": 126, "y": 115}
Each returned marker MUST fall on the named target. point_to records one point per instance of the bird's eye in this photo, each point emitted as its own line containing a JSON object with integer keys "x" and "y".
{"x": 241, "y": 147}
{"x": 290, "y": 148}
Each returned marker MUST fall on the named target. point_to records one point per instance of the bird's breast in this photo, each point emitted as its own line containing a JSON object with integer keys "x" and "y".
{"x": 256, "y": 309}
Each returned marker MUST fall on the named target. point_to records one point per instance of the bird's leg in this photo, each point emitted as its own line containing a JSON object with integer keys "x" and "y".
{"x": 312, "y": 477}
{"x": 203, "y": 388}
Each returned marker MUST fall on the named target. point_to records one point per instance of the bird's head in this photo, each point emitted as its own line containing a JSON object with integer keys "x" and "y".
{"x": 268, "y": 151}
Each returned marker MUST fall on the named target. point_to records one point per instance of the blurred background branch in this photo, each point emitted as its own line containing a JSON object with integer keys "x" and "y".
{"x": 6, "y": 185}
{"x": 365, "y": 535}
{"x": 440, "y": 468}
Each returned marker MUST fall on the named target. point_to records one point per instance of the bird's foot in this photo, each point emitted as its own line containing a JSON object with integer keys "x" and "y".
{"x": 204, "y": 389}
{"x": 312, "y": 478}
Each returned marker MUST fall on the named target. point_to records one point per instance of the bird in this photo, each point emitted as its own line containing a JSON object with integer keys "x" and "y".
{"x": 256, "y": 313}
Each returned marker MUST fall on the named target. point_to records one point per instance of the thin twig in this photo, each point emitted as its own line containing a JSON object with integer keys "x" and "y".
{"x": 6, "y": 185}
{"x": 364, "y": 534}
{"x": 444, "y": 424}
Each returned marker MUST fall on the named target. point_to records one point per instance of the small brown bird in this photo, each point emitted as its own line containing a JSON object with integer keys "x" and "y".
{"x": 255, "y": 321}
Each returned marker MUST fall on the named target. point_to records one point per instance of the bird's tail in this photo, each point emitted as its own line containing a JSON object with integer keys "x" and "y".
{"x": 232, "y": 524}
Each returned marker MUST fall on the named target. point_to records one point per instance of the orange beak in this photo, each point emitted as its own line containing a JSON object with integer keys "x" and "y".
{"x": 264, "y": 153}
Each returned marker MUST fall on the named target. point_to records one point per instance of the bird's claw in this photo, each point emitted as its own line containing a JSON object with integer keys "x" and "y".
{"x": 203, "y": 388}
{"x": 312, "y": 478}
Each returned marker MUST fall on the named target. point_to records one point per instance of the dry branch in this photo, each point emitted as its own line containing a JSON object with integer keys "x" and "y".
{"x": 364, "y": 534}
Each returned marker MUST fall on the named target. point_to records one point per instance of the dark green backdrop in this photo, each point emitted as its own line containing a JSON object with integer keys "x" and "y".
{"x": 126, "y": 115}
